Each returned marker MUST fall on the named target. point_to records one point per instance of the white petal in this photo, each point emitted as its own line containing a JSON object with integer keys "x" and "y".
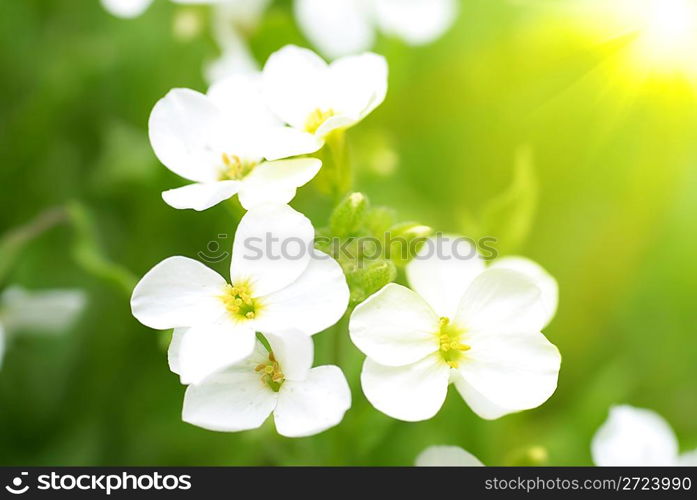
{"x": 275, "y": 182}
{"x": 126, "y": 8}
{"x": 334, "y": 123}
{"x": 294, "y": 352}
{"x": 336, "y": 28}
{"x": 185, "y": 132}
{"x": 229, "y": 401}
{"x": 272, "y": 248}
{"x": 411, "y": 393}
{"x": 415, "y": 21}
{"x": 200, "y": 196}
{"x": 313, "y": 405}
{"x": 634, "y": 437}
{"x": 480, "y": 404}
{"x": 358, "y": 84}
{"x": 174, "y": 348}
{"x": 446, "y": 456}
{"x": 502, "y": 301}
{"x": 395, "y": 327}
{"x": 240, "y": 98}
{"x": 688, "y": 459}
{"x": 178, "y": 292}
{"x": 311, "y": 304}
{"x": 544, "y": 281}
{"x": 283, "y": 142}
{"x": 294, "y": 84}
{"x": 206, "y": 349}
{"x": 442, "y": 270}
{"x": 48, "y": 311}
{"x": 514, "y": 372}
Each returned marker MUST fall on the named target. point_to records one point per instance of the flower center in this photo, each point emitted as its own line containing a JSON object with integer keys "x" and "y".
{"x": 271, "y": 373}
{"x": 234, "y": 168}
{"x": 317, "y": 118}
{"x": 451, "y": 348}
{"x": 239, "y": 302}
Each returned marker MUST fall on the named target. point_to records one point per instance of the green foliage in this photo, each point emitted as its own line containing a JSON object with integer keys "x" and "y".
{"x": 368, "y": 243}
{"x": 607, "y": 207}
{"x": 508, "y": 217}
{"x": 89, "y": 255}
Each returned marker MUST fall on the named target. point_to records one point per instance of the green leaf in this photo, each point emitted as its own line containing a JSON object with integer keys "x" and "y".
{"x": 508, "y": 217}
{"x": 89, "y": 254}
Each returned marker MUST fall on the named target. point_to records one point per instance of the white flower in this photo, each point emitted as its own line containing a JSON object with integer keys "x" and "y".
{"x": 446, "y": 456}
{"x": 126, "y": 8}
{"x": 244, "y": 12}
{"x": 637, "y": 437}
{"x": 478, "y": 328}
{"x": 235, "y": 58}
{"x": 232, "y": 20}
{"x": 226, "y": 142}
{"x": 342, "y": 27}
{"x": 277, "y": 282}
{"x": 316, "y": 98}
{"x": 45, "y": 311}
{"x": 304, "y": 400}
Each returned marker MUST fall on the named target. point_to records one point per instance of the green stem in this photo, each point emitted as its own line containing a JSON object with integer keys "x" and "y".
{"x": 337, "y": 341}
{"x": 337, "y": 164}
{"x": 15, "y": 239}
{"x": 88, "y": 252}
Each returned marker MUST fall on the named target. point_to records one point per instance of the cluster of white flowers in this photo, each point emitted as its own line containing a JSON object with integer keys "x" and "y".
{"x": 239, "y": 138}
{"x": 336, "y": 27}
{"x": 244, "y": 346}
{"x": 475, "y": 326}
{"x": 236, "y": 380}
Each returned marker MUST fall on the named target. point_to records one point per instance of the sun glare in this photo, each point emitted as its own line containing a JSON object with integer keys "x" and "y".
{"x": 666, "y": 34}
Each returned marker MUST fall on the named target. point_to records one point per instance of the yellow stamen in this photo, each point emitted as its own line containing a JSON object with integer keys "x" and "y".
{"x": 239, "y": 302}
{"x": 450, "y": 346}
{"x": 272, "y": 375}
{"x": 317, "y": 118}
{"x": 234, "y": 168}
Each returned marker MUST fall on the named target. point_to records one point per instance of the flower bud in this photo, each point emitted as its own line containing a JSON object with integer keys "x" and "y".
{"x": 403, "y": 241}
{"x": 349, "y": 215}
{"x": 369, "y": 278}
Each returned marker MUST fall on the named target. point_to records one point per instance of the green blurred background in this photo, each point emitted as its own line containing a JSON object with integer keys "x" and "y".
{"x": 605, "y": 198}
